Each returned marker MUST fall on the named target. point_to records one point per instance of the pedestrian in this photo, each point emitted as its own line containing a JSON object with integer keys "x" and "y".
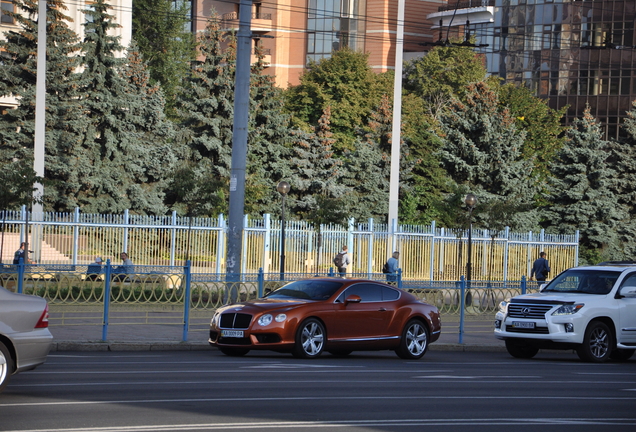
{"x": 540, "y": 269}
{"x": 20, "y": 254}
{"x": 342, "y": 260}
{"x": 391, "y": 267}
{"x": 94, "y": 270}
{"x": 127, "y": 267}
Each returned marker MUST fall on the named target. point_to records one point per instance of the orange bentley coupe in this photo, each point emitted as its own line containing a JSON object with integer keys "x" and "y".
{"x": 310, "y": 316}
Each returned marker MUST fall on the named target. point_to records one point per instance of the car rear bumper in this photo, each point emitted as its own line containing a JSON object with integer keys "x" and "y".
{"x": 31, "y": 348}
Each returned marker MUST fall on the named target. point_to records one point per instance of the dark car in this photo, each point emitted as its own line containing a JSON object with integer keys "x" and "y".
{"x": 335, "y": 315}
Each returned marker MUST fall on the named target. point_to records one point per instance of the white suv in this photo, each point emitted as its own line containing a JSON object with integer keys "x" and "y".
{"x": 590, "y": 309}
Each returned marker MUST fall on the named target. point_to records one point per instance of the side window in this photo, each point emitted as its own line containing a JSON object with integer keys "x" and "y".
{"x": 389, "y": 294}
{"x": 367, "y": 292}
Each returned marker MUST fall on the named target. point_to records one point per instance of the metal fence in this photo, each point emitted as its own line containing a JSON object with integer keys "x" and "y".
{"x": 427, "y": 252}
{"x": 179, "y": 296}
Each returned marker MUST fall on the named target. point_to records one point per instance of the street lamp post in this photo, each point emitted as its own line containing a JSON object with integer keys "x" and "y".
{"x": 283, "y": 188}
{"x": 471, "y": 202}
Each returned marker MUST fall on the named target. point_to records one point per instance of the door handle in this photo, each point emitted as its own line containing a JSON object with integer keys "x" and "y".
{"x": 382, "y": 310}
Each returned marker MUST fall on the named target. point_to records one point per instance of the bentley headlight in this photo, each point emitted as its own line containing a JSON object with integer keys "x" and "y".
{"x": 215, "y": 320}
{"x": 281, "y": 317}
{"x": 265, "y": 320}
{"x": 568, "y": 309}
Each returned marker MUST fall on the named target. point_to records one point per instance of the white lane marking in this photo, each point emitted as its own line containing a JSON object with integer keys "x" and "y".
{"x": 346, "y": 423}
{"x": 299, "y": 398}
{"x": 512, "y": 377}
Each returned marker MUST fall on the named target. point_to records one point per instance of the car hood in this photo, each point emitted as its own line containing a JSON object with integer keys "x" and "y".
{"x": 264, "y": 305}
{"x": 556, "y": 298}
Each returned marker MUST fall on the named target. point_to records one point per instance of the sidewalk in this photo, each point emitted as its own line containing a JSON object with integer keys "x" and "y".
{"x": 477, "y": 336}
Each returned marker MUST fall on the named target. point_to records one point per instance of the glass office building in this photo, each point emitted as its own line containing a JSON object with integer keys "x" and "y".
{"x": 571, "y": 52}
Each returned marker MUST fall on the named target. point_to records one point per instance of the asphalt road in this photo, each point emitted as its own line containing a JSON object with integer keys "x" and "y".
{"x": 369, "y": 391}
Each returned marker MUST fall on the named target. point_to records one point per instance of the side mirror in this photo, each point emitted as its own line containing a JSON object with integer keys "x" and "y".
{"x": 353, "y": 299}
{"x": 542, "y": 287}
{"x": 628, "y": 292}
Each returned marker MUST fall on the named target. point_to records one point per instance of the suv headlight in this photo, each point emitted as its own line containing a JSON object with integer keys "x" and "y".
{"x": 569, "y": 309}
{"x": 215, "y": 319}
{"x": 503, "y": 307}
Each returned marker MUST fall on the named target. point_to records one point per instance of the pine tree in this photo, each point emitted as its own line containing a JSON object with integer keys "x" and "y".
{"x": 115, "y": 168}
{"x": 580, "y": 193}
{"x": 315, "y": 171}
{"x": 205, "y": 107}
{"x": 482, "y": 150}
{"x": 167, "y": 46}
{"x": 19, "y": 72}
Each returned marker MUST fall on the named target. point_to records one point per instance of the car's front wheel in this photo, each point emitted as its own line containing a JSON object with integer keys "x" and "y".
{"x": 310, "y": 339}
{"x": 520, "y": 350}
{"x": 414, "y": 341}
{"x": 6, "y": 366}
{"x": 597, "y": 343}
{"x": 234, "y": 352}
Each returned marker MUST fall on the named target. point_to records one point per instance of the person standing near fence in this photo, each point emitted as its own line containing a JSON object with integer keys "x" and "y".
{"x": 391, "y": 267}
{"x": 342, "y": 261}
{"x": 540, "y": 269}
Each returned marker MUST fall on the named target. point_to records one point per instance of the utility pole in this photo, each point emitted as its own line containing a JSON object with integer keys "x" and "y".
{"x": 396, "y": 133}
{"x": 239, "y": 149}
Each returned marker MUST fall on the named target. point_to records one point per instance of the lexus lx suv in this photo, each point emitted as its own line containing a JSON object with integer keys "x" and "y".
{"x": 589, "y": 309}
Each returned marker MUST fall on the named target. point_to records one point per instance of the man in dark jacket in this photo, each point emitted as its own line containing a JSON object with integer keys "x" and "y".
{"x": 540, "y": 268}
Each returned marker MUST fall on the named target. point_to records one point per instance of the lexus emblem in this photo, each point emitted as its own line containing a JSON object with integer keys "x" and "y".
{"x": 525, "y": 311}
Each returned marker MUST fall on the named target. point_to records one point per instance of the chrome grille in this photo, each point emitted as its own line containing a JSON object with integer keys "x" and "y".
{"x": 235, "y": 320}
{"x": 529, "y": 311}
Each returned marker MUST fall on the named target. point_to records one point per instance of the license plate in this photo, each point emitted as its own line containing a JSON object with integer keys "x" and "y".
{"x": 525, "y": 325}
{"x": 232, "y": 333}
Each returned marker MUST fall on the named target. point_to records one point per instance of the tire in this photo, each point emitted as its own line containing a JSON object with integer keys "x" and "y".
{"x": 597, "y": 343}
{"x": 621, "y": 355}
{"x": 521, "y": 350}
{"x": 234, "y": 352}
{"x": 310, "y": 339}
{"x": 6, "y": 366}
{"x": 414, "y": 341}
{"x": 340, "y": 353}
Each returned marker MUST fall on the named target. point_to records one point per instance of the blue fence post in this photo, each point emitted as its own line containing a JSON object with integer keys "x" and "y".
{"x": 331, "y": 272}
{"x": 107, "y": 281}
{"x": 261, "y": 282}
{"x": 462, "y": 285}
{"x": 21, "y": 275}
{"x": 523, "y": 284}
{"x": 186, "y": 300}
{"x": 399, "y": 278}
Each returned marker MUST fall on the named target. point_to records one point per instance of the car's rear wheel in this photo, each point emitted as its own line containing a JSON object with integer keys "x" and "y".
{"x": 6, "y": 366}
{"x": 310, "y": 339}
{"x": 521, "y": 350}
{"x": 234, "y": 352}
{"x": 414, "y": 341}
{"x": 620, "y": 354}
{"x": 597, "y": 343}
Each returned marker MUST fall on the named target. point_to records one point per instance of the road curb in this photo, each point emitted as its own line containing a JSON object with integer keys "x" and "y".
{"x": 62, "y": 346}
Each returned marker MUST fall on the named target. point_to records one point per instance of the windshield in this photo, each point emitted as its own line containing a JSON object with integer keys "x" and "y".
{"x": 584, "y": 281}
{"x": 306, "y": 290}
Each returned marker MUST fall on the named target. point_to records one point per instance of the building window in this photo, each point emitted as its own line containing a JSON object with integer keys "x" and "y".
{"x": 331, "y": 25}
{"x": 7, "y": 6}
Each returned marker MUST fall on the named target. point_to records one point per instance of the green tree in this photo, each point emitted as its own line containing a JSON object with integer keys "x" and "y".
{"x": 580, "y": 193}
{"x": 443, "y": 73}
{"x": 118, "y": 164}
{"x": 168, "y": 47}
{"x": 346, "y": 83}
{"x": 19, "y": 71}
{"x": 482, "y": 151}
{"x": 315, "y": 170}
{"x": 544, "y": 132}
